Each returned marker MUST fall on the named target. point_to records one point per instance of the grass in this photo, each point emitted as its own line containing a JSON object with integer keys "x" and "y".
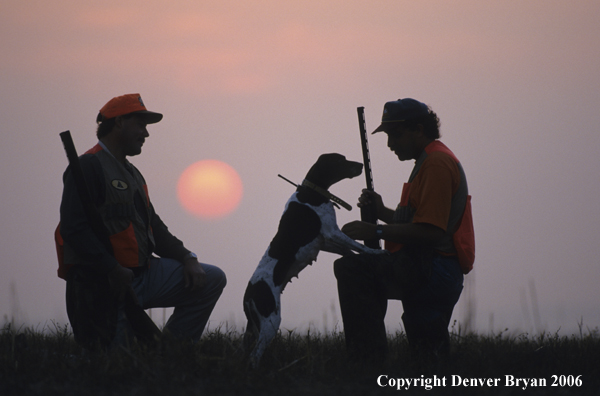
{"x": 50, "y": 363}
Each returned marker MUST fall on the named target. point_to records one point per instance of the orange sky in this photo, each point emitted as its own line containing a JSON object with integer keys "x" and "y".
{"x": 267, "y": 86}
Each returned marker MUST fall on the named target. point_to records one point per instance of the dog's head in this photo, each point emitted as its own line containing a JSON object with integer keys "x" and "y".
{"x": 331, "y": 168}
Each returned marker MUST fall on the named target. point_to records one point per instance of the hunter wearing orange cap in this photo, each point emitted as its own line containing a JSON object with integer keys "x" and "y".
{"x": 143, "y": 257}
{"x": 127, "y": 104}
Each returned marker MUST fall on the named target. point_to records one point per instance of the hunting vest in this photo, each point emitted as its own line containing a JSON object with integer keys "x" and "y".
{"x": 459, "y": 238}
{"x": 130, "y": 235}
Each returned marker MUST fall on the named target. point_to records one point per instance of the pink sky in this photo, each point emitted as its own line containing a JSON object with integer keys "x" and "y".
{"x": 267, "y": 86}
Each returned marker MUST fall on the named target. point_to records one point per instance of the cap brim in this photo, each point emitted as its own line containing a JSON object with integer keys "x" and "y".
{"x": 380, "y": 128}
{"x": 385, "y": 126}
{"x": 149, "y": 116}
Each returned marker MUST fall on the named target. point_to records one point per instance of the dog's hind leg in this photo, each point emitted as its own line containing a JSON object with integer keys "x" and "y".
{"x": 268, "y": 331}
{"x": 261, "y": 307}
{"x": 252, "y": 327}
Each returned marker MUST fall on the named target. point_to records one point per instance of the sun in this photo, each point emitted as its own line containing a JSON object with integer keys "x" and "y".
{"x": 210, "y": 189}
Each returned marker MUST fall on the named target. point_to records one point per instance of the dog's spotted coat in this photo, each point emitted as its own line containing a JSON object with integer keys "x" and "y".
{"x": 307, "y": 226}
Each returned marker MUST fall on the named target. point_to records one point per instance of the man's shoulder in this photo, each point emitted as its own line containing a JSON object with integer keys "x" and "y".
{"x": 441, "y": 164}
{"x": 90, "y": 166}
{"x": 89, "y": 160}
{"x": 438, "y": 147}
{"x": 96, "y": 149}
{"x": 90, "y": 157}
{"x": 440, "y": 158}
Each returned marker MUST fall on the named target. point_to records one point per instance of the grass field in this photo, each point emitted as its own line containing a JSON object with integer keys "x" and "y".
{"x": 50, "y": 363}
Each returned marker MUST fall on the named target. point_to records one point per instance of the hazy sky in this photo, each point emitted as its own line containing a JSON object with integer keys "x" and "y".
{"x": 266, "y": 86}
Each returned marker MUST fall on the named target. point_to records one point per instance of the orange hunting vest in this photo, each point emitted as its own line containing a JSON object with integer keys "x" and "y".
{"x": 460, "y": 236}
{"x": 131, "y": 240}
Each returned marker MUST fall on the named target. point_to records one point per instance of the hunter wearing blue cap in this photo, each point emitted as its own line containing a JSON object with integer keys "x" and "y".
{"x": 429, "y": 236}
{"x": 401, "y": 110}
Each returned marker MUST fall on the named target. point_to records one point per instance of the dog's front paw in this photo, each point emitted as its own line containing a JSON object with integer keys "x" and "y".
{"x": 375, "y": 251}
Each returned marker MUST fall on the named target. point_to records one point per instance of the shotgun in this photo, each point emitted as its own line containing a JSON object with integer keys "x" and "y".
{"x": 367, "y": 213}
{"x": 143, "y": 327}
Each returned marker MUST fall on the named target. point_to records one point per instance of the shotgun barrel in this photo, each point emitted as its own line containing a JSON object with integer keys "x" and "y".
{"x": 367, "y": 213}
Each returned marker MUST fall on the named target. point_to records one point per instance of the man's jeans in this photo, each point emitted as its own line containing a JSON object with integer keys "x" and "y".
{"x": 427, "y": 283}
{"x": 162, "y": 284}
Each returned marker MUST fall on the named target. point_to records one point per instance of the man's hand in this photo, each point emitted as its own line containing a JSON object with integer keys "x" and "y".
{"x": 367, "y": 197}
{"x": 193, "y": 273}
{"x": 119, "y": 280}
{"x": 371, "y": 197}
{"x": 360, "y": 230}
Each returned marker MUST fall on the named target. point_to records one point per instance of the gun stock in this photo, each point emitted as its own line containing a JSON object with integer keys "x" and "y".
{"x": 367, "y": 213}
{"x": 143, "y": 327}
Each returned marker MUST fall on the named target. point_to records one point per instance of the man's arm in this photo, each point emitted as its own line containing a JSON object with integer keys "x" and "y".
{"x": 409, "y": 233}
{"x": 433, "y": 200}
{"x": 166, "y": 244}
{"x": 169, "y": 246}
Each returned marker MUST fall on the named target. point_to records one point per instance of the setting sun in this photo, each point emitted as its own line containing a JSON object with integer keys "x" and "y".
{"x": 210, "y": 189}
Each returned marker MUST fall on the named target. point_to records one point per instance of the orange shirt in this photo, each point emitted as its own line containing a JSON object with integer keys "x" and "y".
{"x": 432, "y": 189}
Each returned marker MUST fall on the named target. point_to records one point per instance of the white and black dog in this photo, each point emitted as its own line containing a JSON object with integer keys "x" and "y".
{"x": 308, "y": 225}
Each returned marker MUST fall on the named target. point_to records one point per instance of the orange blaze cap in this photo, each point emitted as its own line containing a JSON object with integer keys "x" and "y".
{"x": 126, "y": 104}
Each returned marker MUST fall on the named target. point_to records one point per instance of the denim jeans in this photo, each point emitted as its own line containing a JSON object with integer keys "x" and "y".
{"x": 161, "y": 284}
{"x": 428, "y": 311}
{"x": 428, "y": 285}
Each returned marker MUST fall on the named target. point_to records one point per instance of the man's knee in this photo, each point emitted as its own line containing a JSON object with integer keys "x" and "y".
{"x": 338, "y": 268}
{"x": 347, "y": 266}
{"x": 216, "y": 277}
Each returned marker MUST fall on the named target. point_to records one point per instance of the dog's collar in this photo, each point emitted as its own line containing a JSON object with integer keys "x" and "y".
{"x": 326, "y": 194}
{"x": 321, "y": 191}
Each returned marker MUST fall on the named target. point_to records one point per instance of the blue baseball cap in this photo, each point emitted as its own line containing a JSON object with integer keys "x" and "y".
{"x": 401, "y": 110}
